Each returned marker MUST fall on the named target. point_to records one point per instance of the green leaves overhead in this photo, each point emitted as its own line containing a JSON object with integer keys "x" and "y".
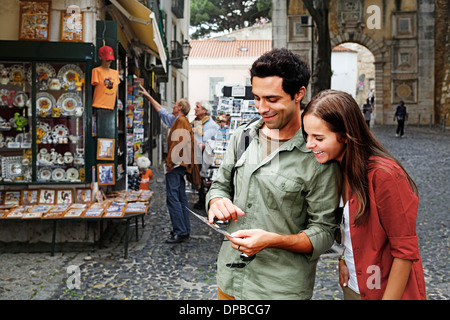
{"x": 209, "y": 16}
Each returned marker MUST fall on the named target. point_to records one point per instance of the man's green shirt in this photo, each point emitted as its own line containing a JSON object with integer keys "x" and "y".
{"x": 288, "y": 192}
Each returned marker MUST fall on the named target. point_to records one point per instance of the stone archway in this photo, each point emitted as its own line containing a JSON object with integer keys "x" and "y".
{"x": 402, "y": 44}
{"x": 381, "y": 57}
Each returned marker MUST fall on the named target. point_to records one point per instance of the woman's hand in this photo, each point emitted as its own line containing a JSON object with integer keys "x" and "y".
{"x": 343, "y": 274}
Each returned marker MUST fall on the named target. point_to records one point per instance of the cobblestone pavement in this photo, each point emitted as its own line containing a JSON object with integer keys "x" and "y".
{"x": 155, "y": 270}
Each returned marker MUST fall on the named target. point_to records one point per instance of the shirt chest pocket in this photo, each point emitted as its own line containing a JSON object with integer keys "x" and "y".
{"x": 280, "y": 192}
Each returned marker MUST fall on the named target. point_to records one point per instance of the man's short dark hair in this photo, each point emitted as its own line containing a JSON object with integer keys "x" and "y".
{"x": 285, "y": 64}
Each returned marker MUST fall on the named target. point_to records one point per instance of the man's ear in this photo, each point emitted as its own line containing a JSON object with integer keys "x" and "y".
{"x": 300, "y": 94}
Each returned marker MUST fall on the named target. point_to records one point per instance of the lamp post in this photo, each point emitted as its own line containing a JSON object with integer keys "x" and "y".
{"x": 186, "y": 49}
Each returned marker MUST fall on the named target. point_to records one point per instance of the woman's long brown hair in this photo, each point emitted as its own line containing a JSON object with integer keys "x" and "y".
{"x": 343, "y": 116}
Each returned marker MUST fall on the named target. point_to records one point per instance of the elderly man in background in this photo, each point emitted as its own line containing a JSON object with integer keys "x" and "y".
{"x": 205, "y": 129}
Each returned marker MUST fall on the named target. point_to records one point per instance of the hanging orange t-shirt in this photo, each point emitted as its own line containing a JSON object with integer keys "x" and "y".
{"x": 106, "y": 83}
{"x": 145, "y": 180}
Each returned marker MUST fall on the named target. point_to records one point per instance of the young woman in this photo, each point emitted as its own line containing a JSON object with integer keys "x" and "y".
{"x": 381, "y": 258}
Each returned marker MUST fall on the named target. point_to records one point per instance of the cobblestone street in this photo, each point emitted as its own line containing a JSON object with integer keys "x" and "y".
{"x": 155, "y": 270}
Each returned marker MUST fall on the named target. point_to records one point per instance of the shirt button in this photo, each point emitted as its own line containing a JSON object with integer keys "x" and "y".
{"x": 249, "y": 205}
{"x": 352, "y": 201}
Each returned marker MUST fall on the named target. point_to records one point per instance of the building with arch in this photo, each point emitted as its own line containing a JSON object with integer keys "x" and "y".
{"x": 408, "y": 38}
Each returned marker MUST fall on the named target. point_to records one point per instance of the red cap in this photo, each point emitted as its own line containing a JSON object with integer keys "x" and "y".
{"x": 106, "y": 53}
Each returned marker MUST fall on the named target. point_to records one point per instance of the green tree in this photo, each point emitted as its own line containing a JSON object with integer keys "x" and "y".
{"x": 209, "y": 16}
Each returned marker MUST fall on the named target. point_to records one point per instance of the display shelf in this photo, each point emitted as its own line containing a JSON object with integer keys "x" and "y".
{"x": 45, "y": 113}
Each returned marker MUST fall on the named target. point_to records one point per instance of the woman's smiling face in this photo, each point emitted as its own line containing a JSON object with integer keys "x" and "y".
{"x": 325, "y": 144}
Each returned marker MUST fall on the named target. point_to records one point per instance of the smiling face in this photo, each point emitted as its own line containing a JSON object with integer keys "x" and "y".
{"x": 276, "y": 107}
{"x": 325, "y": 144}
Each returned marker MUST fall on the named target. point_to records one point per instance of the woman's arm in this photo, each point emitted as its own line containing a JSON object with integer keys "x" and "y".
{"x": 398, "y": 277}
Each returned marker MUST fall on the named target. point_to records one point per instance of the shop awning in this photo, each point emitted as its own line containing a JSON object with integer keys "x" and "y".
{"x": 144, "y": 27}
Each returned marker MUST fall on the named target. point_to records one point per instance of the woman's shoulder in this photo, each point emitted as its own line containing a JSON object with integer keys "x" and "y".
{"x": 384, "y": 168}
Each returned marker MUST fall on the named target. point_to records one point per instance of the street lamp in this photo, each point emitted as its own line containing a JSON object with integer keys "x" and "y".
{"x": 186, "y": 49}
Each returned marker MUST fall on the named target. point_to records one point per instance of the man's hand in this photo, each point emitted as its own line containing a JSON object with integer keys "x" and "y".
{"x": 144, "y": 92}
{"x": 223, "y": 209}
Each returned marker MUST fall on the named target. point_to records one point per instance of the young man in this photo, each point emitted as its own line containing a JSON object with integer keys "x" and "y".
{"x": 282, "y": 209}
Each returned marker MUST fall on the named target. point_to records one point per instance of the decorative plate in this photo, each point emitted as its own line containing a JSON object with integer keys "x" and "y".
{"x": 19, "y": 138}
{"x": 72, "y": 174}
{"x": 58, "y": 174}
{"x": 46, "y": 129}
{"x": 68, "y": 75}
{"x": 44, "y": 72}
{"x": 12, "y": 167}
{"x": 4, "y": 75}
{"x": 27, "y": 137}
{"x": 45, "y": 102}
{"x": 20, "y": 99}
{"x": 60, "y": 131}
{"x": 68, "y": 102}
{"x": 44, "y": 174}
{"x": 4, "y": 97}
{"x": 17, "y": 74}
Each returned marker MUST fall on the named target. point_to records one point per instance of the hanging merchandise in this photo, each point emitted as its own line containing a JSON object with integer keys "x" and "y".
{"x": 230, "y": 113}
{"x": 105, "y": 80}
{"x": 135, "y": 119}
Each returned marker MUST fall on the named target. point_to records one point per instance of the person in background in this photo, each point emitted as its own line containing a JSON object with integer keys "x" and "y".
{"x": 205, "y": 129}
{"x": 367, "y": 112}
{"x": 401, "y": 115}
{"x": 180, "y": 162}
{"x": 381, "y": 259}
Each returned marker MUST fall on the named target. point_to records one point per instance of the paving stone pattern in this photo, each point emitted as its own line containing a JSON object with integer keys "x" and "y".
{"x": 156, "y": 270}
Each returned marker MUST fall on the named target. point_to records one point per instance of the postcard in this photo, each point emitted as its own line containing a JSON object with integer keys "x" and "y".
{"x": 212, "y": 225}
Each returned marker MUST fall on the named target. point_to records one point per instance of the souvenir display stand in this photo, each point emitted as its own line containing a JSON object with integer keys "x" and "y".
{"x": 58, "y": 205}
{"x": 45, "y": 113}
{"x": 235, "y": 107}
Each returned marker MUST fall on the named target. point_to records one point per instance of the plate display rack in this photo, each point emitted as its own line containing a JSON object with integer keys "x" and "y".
{"x": 45, "y": 120}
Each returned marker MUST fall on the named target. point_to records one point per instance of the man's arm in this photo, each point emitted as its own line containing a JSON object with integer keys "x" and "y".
{"x": 253, "y": 241}
{"x": 153, "y": 102}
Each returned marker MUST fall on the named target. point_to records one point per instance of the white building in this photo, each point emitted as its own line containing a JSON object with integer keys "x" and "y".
{"x": 226, "y": 59}
{"x": 344, "y": 65}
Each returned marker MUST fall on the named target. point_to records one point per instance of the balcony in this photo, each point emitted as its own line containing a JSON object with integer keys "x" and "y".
{"x": 176, "y": 57}
{"x": 178, "y": 8}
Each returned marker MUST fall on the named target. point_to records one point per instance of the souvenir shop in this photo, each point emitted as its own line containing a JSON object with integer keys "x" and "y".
{"x": 61, "y": 157}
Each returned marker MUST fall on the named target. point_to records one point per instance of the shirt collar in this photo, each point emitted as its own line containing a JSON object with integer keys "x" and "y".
{"x": 297, "y": 141}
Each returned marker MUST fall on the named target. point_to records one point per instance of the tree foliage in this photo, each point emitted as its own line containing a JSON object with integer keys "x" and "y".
{"x": 209, "y": 16}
